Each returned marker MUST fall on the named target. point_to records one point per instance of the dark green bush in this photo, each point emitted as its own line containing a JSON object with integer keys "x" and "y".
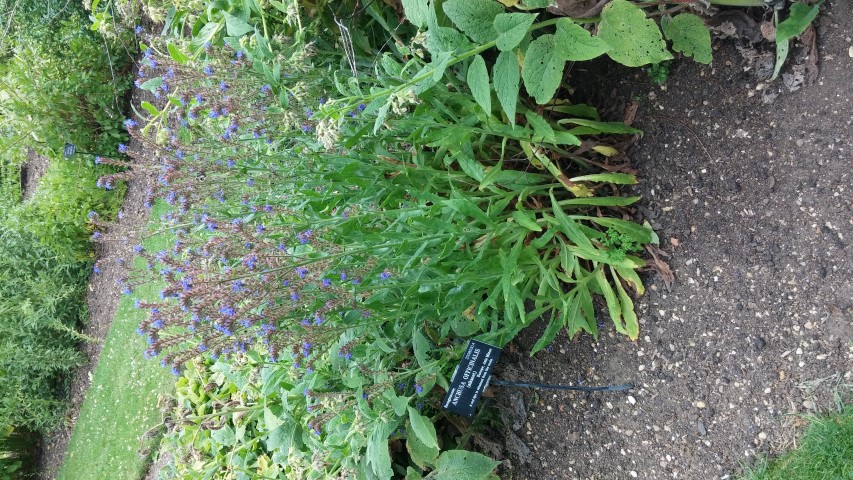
{"x": 41, "y": 304}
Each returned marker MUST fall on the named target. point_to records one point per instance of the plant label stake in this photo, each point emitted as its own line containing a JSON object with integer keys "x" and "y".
{"x": 474, "y": 372}
{"x": 471, "y": 378}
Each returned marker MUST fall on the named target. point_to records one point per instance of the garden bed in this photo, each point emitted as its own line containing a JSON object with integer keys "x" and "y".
{"x": 752, "y": 202}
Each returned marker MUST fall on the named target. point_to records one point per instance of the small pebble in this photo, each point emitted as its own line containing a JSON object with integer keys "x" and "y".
{"x": 700, "y": 404}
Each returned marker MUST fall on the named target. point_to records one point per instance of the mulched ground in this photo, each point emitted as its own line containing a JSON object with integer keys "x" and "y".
{"x": 754, "y": 203}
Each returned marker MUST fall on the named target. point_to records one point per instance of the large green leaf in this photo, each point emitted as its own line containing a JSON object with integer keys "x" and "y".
{"x": 511, "y": 28}
{"x": 506, "y": 78}
{"x": 799, "y": 18}
{"x": 423, "y": 455}
{"x": 575, "y": 43}
{"x": 543, "y": 69}
{"x": 475, "y": 17}
{"x": 417, "y": 11}
{"x": 423, "y": 428}
{"x": 602, "y": 127}
{"x": 632, "y": 325}
{"x": 236, "y": 27}
{"x": 378, "y": 456}
{"x": 462, "y": 464}
{"x": 689, "y": 36}
{"x": 478, "y": 82}
{"x": 633, "y": 39}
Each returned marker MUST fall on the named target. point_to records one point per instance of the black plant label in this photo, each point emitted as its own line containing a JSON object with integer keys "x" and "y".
{"x": 471, "y": 378}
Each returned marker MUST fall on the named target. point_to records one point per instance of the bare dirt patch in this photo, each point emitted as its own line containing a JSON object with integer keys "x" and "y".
{"x": 31, "y": 173}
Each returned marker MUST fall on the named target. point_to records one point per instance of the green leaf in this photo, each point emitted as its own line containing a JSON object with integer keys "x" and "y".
{"x": 271, "y": 420}
{"x": 506, "y": 77}
{"x": 423, "y": 455}
{"x": 540, "y": 126}
{"x": 378, "y": 456}
{"x": 224, "y": 436}
{"x": 478, "y": 82}
{"x": 601, "y": 127}
{"x": 617, "y": 178}
{"x": 633, "y": 39}
{"x": 799, "y": 18}
{"x": 150, "y": 108}
{"x": 638, "y": 233}
{"x": 421, "y": 346}
{"x": 236, "y": 27}
{"x": 381, "y": 115}
{"x": 551, "y": 331}
{"x": 468, "y": 208}
{"x": 689, "y": 36}
{"x": 575, "y": 43}
{"x": 613, "y": 306}
{"x": 398, "y": 404}
{"x": 525, "y": 221}
{"x": 543, "y": 69}
{"x": 475, "y": 17}
{"x": 511, "y": 28}
{"x": 423, "y": 428}
{"x": 417, "y": 11}
{"x": 176, "y": 54}
{"x": 632, "y": 325}
{"x": 152, "y": 85}
{"x": 439, "y": 64}
{"x": 459, "y": 464}
{"x": 601, "y": 201}
{"x": 446, "y": 39}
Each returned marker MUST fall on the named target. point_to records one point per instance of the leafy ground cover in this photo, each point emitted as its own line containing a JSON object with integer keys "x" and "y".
{"x": 116, "y": 427}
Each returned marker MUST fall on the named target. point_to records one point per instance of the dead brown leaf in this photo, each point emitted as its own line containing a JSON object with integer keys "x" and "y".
{"x": 660, "y": 266}
{"x": 630, "y": 113}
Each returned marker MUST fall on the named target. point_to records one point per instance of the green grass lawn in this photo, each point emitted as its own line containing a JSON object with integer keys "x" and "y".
{"x": 825, "y": 453}
{"x": 121, "y": 404}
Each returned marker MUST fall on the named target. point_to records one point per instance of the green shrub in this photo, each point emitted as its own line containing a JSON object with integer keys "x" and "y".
{"x": 57, "y": 214}
{"x": 62, "y": 82}
{"x": 41, "y": 305}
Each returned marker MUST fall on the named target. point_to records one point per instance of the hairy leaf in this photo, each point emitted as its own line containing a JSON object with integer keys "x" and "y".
{"x": 799, "y": 18}
{"x": 417, "y": 11}
{"x": 689, "y": 36}
{"x": 506, "y": 79}
{"x": 543, "y": 69}
{"x": 478, "y": 82}
{"x": 475, "y": 17}
{"x": 423, "y": 428}
{"x": 459, "y": 464}
{"x": 511, "y": 28}
{"x": 633, "y": 39}
{"x": 575, "y": 43}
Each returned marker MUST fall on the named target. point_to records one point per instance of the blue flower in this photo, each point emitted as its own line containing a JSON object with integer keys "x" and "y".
{"x": 361, "y": 107}
{"x": 92, "y": 215}
{"x": 327, "y": 282}
{"x": 122, "y": 148}
{"x": 208, "y": 70}
{"x": 266, "y": 88}
{"x": 198, "y": 98}
{"x": 301, "y": 271}
{"x": 385, "y": 275}
{"x": 138, "y": 29}
{"x": 223, "y": 86}
{"x": 130, "y": 123}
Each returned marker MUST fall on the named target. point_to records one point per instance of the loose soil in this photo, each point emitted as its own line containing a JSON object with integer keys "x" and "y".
{"x": 754, "y": 203}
